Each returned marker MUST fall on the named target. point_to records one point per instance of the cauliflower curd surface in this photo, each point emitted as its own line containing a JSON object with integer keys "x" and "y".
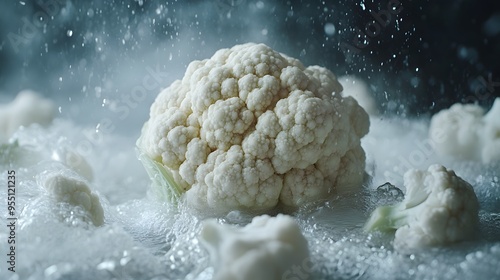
{"x": 250, "y": 128}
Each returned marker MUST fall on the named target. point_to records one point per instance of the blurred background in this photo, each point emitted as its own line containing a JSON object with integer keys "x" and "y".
{"x": 111, "y": 58}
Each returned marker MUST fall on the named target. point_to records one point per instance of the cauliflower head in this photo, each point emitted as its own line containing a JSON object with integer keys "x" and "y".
{"x": 465, "y": 132}
{"x": 250, "y": 128}
{"x": 439, "y": 208}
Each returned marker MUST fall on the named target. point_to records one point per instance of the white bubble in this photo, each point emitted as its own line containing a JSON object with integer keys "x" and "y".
{"x": 69, "y": 33}
{"x": 329, "y": 29}
{"x": 415, "y": 81}
{"x": 90, "y": 13}
{"x": 98, "y": 91}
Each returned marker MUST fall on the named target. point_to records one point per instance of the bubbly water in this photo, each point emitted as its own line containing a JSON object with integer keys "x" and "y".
{"x": 145, "y": 239}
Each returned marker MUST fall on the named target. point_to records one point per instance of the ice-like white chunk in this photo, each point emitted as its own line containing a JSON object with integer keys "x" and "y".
{"x": 463, "y": 131}
{"x": 358, "y": 89}
{"x": 267, "y": 248}
{"x": 75, "y": 192}
{"x": 26, "y": 109}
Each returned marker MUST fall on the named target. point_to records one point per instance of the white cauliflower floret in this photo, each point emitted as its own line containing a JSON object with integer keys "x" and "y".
{"x": 251, "y": 128}
{"x": 26, "y": 109}
{"x": 439, "y": 208}
{"x": 464, "y": 131}
{"x": 265, "y": 249}
{"x": 74, "y": 161}
{"x": 357, "y": 88}
{"x": 77, "y": 193}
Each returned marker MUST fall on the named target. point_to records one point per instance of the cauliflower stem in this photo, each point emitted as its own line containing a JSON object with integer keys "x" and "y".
{"x": 391, "y": 217}
{"x": 164, "y": 184}
{"x": 388, "y": 218}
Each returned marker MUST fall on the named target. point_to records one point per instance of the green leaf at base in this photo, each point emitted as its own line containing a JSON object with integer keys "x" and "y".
{"x": 164, "y": 184}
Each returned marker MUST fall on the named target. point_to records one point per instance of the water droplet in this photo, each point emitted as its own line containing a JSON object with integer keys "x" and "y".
{"x": 50, "y": 270}
{"x": 69, "y": 33}
{"x": 98, "y": 91}
{"x": 124, "y": 261}
{"x": 329, "y": 29}
{"x": 388, "y": 194}
{"x": 90, "y": 13}
{"x": 106, "y": 265}
{"x": 415, "y": 81}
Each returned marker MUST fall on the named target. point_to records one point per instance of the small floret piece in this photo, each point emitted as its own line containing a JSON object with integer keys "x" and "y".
{"x": 265, "y": 249}
{"x": 77, "y": 193}
{"x": 75, "y": 161}
{"x": 465, "y": 132}
{"x": 439, "y": 208}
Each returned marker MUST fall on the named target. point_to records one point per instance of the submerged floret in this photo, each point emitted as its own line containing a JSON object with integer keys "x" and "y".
{"x": 65, "y": 189}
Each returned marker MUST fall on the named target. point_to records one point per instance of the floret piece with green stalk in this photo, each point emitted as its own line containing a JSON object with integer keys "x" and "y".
{"x": 439, "y": 208}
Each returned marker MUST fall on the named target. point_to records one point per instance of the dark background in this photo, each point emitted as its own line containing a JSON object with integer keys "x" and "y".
{"x": 430, "y": 55}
